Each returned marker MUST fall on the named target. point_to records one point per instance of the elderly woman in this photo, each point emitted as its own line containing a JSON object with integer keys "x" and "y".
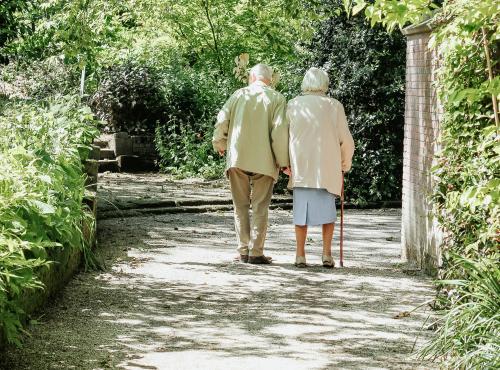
{"x": 321, "y": 149}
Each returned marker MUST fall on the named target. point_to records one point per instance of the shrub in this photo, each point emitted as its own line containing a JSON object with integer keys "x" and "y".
{"x": 41, "y": 192}
{"x": 466, "y": 196}
{"x": 130, "y": 98}
{"x": 40, "y": 79}
{"x": 469, "y": 328}
{"x": 184, "y": 140}
{"x": 10, "y": 25}
{"x": 187, "y": 153}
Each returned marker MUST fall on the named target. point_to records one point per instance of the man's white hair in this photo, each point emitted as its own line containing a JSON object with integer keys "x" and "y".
{"x": 261, "y": 72}
{"x": 315, "y": 79}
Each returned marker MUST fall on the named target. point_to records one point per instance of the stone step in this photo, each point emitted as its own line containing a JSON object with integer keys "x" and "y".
{"x": 134, "y": 163}
{"x": 107, "y": 154}
{"x": 197, "y": 205}
{"x": 108, "y": 165}
{"x": 118, "y": 213}
{"x": 101, "y": 143}
{"x": 91, "y": 170}
{"x": 95, "y": 152}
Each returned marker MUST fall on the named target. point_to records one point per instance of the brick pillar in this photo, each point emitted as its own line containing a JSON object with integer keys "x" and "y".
{"x": 420, "y": 236}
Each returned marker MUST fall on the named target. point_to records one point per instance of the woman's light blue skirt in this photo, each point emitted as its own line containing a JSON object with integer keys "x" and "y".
{"x": 313, "y": 207}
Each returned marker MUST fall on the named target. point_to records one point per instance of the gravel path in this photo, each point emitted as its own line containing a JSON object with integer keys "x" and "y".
{"x": 171, "y": 297}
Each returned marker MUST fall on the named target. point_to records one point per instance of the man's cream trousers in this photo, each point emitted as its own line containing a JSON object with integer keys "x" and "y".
{"x": 250, "y": 189}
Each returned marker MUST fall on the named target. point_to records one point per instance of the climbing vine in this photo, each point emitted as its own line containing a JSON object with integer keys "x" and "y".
{"x": 467, "y": 195}
{"x": 466, "y": 198}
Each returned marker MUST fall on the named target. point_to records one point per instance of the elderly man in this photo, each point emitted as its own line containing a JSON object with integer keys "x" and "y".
{"x": 253, "y": 130}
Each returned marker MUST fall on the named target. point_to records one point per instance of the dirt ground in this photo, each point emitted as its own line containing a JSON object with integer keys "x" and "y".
{"x": 171, "y": 297}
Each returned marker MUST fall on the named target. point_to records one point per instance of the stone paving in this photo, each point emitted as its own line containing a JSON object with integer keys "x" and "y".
{"x": 130, "y": 191}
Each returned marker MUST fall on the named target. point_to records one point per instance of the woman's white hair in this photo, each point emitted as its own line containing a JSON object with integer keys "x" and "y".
{"x": 261, "y": 72}
{"x": 315, "y": 79}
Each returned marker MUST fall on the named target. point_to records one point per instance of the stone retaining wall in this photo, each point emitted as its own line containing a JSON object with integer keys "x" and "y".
{"x": 125, "y": 144}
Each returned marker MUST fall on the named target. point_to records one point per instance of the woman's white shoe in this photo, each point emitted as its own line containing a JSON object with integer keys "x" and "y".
{"x": 328, "y": 261}
{"x": 300, "y": 261}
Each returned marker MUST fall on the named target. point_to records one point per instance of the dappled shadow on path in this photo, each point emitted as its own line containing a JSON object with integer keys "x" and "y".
{"x": 172, "y": 298}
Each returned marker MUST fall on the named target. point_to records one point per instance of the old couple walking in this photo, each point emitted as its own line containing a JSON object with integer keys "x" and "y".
{"x": 308, "y": 139}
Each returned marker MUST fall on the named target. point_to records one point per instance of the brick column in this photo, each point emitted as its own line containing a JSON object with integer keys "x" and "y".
{"x": 420, "y": 236}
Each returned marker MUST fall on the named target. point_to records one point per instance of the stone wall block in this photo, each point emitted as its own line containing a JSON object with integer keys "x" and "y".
{"x": 121, "y": 143}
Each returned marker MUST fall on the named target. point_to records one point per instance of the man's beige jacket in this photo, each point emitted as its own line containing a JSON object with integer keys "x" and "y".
{"x": 252, "y": 129}
{"x": 321, "y": 146}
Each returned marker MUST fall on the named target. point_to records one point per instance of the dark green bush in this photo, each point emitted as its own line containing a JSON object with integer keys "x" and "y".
{"x": 367, "y": 74}
{"x": 130, "y": 98}
{"x": 10, "y": 25}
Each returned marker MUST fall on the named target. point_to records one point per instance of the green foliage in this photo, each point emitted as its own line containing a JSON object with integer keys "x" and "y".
{"x": 367, "y": 74}
{"x": 184, "y": 139}
{"x": 213, "y": 32}
{"x": 468, "y": 333}
{"x": 41, "y": 192}
{"x": 10, "y": 25}
{"x": 40, "y": 79}
{"x": 466, "y": 197}
{"x": 130, "y": 98}
{"x": 187, "y": 152}
{"x": 392, "y": 13}
{"x": 78, "y": 30}
{"x": 79, "y": 33}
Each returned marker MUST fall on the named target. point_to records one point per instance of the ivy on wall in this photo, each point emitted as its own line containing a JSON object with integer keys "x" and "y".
{"x": 466, "y": 197}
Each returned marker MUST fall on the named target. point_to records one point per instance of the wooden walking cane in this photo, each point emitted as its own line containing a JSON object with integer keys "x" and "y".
{"x": 342, "y": 223}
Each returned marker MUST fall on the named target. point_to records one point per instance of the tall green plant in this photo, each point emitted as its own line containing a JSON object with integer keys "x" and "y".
{"x": 77, "y": 31}
{"x": 10, "y": 24}
{"x": 184, "y": 138}
{"x": 41, "y": 191}
{"x": 467, "y": 335}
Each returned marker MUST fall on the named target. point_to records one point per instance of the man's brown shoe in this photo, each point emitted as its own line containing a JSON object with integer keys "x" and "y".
{"x": 260, "y": 260}
{"x": 242, "y": 258}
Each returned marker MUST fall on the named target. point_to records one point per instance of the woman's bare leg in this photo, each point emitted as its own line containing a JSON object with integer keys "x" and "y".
{"x": 327, "y": 239}
{"x": 300, "y": 237}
